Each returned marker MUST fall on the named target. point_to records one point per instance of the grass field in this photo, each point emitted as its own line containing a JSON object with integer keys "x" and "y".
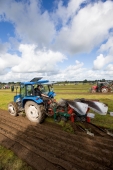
{"x": 9, "y": 161}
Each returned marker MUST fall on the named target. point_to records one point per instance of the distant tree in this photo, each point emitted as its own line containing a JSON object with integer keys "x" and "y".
{"x": 18, "y": 83}
{"x": 85, "y": 81}
{"x": 66, "y": 82}
{"x": 11, "y": 83}
{"x": 103, "y": 80}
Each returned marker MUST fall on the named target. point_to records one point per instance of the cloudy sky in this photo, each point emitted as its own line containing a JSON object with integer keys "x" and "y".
{"x": 56, "y": 39}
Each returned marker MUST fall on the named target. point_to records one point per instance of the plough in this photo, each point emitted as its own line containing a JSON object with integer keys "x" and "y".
{"x": 76, "y": 110}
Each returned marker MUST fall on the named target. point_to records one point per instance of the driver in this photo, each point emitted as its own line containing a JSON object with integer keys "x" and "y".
{"x": 46, "y": 98}
{"x": 38, "y": 92}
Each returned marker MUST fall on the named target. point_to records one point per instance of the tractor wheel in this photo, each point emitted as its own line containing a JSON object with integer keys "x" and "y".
{"x": 104, "y": 90}
{"x": 34, "y": 112}
{"x": 93, "y": 91}
{"x": 13, "y": 108}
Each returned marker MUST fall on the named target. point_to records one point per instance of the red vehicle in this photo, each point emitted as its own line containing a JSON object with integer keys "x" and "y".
{"x": 6, "y": 87}
{"x": 103, "y": 87}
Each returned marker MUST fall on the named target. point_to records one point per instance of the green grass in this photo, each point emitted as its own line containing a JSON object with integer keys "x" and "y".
{"x": 104, "y": 121}
{"x": 9, "y": 161}
{"x": 6, "y": 96}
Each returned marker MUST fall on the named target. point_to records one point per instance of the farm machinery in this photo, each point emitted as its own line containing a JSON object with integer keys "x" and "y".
{"x": 103, "y": 87}
{"x": 37, "y": 107}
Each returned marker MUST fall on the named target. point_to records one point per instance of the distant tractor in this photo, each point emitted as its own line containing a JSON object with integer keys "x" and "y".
{"x": 102, "y": 87}
{"x": 6, "y": 87}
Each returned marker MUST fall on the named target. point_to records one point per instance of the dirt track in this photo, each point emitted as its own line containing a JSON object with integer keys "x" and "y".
{"x": 47, "y": 147}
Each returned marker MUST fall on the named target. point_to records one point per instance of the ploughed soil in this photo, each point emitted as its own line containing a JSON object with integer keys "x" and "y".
{"x": 47, "y": 147}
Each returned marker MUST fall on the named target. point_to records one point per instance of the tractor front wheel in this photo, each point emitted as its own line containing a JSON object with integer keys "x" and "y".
{"x": 34, "y": 112}
{"x": 104, "y": 90}
{"x": 13, "y": 108}
{"x": 93, "y": 91}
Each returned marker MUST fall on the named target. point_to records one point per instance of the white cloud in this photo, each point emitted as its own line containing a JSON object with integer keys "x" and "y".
{"x": 108, "y": 46}
{"x": 109, "y": 67}
{"x": 72, "y": 72}
{"x": 64, "y": 14}
{"x": 81, "y": 29}
{"x": 75, "y": 72}
{"x": 35, "y": 60}
{"x": 7, "y": 61}
{"x": 4, "y": 47}
{"x": 101, "y": 61}
{"x": 78, "y": 72}
{"x": 30, "y": 24}
{"x": 87, "y": 29}
{"x": 107, "y": 56}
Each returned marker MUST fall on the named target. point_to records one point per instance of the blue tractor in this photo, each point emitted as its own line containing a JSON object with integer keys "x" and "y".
{"x": 35, "y": 107}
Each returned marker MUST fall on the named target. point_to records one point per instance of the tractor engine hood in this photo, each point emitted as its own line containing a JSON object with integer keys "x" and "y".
{"x": 51, "y": 94}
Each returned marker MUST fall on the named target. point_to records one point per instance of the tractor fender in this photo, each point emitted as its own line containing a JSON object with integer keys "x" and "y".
{"x": 51, "y": 94}
{"x": 35, "y": 99}
{"x": 17, "y": 98}
{"x": 94, "y": 87}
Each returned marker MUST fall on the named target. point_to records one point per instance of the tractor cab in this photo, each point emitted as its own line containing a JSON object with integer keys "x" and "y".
{"x": 47, "y": 88}
{"x": 27, "y": 90}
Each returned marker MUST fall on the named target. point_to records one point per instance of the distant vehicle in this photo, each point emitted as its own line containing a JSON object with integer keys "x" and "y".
{"x": 6, "y": 87}
{"x": 103, "y": 87}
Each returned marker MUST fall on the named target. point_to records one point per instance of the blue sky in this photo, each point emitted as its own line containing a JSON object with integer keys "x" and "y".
{"x": 57, "y": 39}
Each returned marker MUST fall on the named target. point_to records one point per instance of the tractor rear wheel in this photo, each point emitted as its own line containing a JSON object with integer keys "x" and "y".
{"x": 34, "y": 112}
{"x": 13, "y": 108}
{"x": 104, "y": 90}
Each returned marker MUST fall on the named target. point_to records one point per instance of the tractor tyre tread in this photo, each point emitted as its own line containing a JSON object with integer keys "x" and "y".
{"x": 104, "y": 90}
{"x": 93, "y": 91}
{"x": 41, "y": 112}
{"x": 15, "y": 108}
